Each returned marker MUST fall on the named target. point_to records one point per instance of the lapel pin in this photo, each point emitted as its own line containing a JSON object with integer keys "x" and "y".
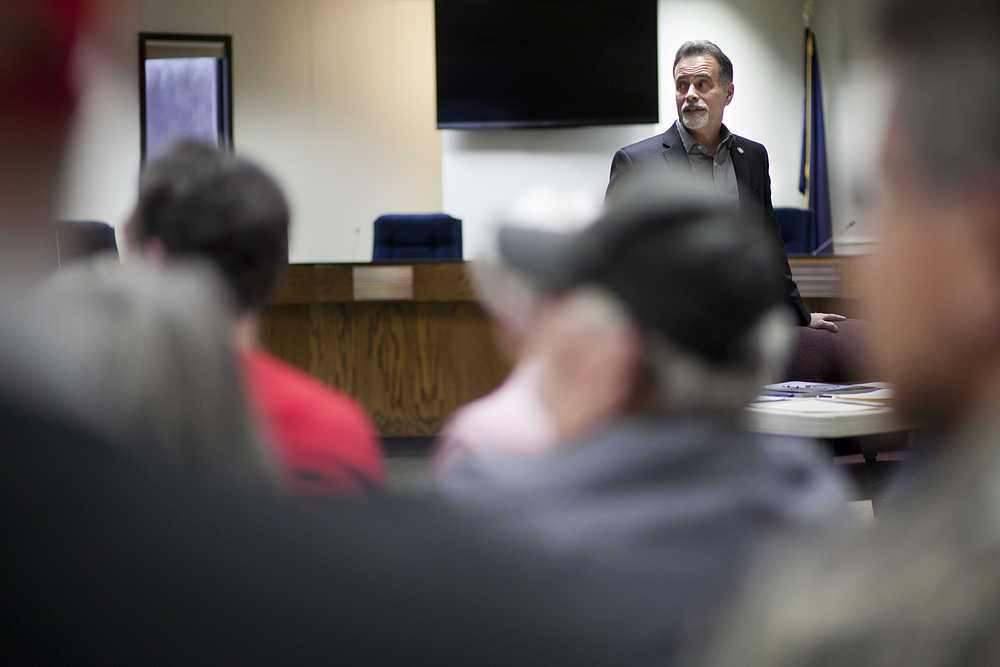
{"x": 739, "y": 149}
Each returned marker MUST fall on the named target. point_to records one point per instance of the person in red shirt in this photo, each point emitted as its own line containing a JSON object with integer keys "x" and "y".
{"x": 196, "y": 201}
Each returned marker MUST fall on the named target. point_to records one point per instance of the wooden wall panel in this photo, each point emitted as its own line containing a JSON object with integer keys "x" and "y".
{"x": 443, "y": 282}
{"x": 847, "y": 299}
{"x": 410, "y": 364}
{"x": 334, "y": 283}
{"x": 284, "y": 331}
{"x": 331, "y": 344}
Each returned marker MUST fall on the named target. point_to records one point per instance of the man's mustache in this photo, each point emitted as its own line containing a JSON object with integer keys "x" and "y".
{"x": 694, "y": 107}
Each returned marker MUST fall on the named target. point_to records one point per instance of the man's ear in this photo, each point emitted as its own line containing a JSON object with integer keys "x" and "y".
{"x": 615, "y": 362}
{"x": 985, "y": 206}
{"x": 730, "y": 89}
{"x": 592, "y": 363}
{"x": 154, "y": 252}
{"x": 980, "y": 207}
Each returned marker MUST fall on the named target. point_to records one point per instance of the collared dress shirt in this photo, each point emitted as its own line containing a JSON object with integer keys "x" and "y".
{"x": 715, "y": 169}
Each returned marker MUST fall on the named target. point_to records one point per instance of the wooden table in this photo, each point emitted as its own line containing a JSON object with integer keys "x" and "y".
{"x": 867, "y": 442}
{"x": 860, "y": 422}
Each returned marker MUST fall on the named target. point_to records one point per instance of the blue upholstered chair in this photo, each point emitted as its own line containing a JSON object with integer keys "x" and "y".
{"x": 796, "y": 230}
{"x": 78, "y": 239}
{"x": 415, "y": 237}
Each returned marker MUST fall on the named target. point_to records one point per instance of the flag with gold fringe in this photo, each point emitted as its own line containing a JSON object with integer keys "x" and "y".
{"x": 814, "y": 180}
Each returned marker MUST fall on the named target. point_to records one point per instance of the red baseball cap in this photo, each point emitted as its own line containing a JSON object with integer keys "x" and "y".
{"x": 37, "y": 40}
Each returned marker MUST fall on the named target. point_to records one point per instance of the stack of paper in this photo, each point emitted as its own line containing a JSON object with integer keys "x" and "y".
{"x": 817, "y": 406}
{"x": 879, "y": 396}
{"x": 801, "y": 388}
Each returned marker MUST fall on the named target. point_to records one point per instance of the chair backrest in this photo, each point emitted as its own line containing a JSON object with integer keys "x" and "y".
{"x": 409, "y": 237}
{"x": 79, "y": 239}
{"x": 817, "y": 355}
{"x": 796, "y": 229}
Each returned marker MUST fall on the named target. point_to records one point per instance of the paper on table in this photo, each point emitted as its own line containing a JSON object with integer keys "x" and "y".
{"x": 804, "y": 388}
{"x": 880, "y": 396}
{"x": 806, "y": 406}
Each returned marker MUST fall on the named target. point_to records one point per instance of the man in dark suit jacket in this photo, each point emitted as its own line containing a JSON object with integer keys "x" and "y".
{"x": 699, "y": 143}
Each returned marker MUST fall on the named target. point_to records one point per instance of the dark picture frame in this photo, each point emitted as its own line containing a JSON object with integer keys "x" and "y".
{"x": 225, "y": 79}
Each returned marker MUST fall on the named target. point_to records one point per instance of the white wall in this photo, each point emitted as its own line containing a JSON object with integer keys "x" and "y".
{"x": 336, "y": 97}
{"x": 482, "y": 170}
{"x": 857, "y": 96}
{"x": 102, "y": 164}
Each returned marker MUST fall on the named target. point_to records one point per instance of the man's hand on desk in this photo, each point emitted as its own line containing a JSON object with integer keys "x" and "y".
{"x": 825, "y": 321}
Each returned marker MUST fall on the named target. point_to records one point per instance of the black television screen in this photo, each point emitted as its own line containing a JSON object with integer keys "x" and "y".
{"x": 544, "y": 63}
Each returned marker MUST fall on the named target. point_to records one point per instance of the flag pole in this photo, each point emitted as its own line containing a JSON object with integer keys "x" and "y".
{"x": 808, "y": 7}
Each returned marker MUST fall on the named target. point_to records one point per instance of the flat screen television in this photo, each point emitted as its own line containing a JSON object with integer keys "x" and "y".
{"x": 546, "y": 63}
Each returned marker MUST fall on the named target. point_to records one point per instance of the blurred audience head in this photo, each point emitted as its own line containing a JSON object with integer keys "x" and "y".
{"x": 512, "y": 302}
{"x": 152, "y": 359}
{"x": 38, "y": 42}
{"x": 665, "y": 305}
{"x": 934, "y": 288}
{"x": 920, "y": 593}
{"x": 196, "y": 201}
{"x": 922, "y": 588}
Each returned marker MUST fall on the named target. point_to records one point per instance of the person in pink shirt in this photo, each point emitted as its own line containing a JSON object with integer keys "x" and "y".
{"x": 512, "y": 419}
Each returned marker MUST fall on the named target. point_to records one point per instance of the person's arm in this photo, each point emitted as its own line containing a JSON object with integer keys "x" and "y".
{"x": 805, "y": 318}
{"x": 621, "y": 167}
{"x": 794, "y": 298}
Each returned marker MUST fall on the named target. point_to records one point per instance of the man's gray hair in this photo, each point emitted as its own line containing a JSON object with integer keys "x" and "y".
{"x": 153, "y": 367}
{"x": 934, "y": 47}
{"x": 703, "y": 47}
{"x": 683, "y": 381}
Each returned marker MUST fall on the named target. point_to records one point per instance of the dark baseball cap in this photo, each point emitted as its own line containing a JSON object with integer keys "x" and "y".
{"x": 682, "y": 261}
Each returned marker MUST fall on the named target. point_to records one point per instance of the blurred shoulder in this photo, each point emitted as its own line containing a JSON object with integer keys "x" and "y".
{"x": 282, "y": 388}
{"x": 653, "y": 146}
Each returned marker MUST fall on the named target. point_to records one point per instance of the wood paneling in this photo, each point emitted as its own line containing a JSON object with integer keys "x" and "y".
{"x": 849, "y": 270}
{"x": 333, "y": 283}
{"x": 316, "y": 283}
{"x": 443, "y": 282}
{"x": 846, "y": 298}
{"x": 411, "y": 364}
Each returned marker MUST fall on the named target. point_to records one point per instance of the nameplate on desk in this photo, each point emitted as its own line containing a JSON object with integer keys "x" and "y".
{"x": 383, "y": 283}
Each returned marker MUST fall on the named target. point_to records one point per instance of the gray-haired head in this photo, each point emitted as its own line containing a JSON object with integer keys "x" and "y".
{"x": 684, "y": 269}
{"x": 153, "y": 365}
{"x": 703, "y": 47}
{"x": 944, "y": 58}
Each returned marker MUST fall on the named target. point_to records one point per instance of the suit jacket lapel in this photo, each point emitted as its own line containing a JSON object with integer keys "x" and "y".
{"x": 742, "y": 169}
{"x": 673, "y": 148}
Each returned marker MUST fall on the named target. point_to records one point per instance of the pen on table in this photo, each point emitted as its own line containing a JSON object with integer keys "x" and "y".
{"x": 836, "y": 399}
{"x": 776, "y": 393}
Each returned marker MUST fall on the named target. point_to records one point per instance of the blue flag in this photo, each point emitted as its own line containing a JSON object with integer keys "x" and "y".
{"x": 814, "y": 180}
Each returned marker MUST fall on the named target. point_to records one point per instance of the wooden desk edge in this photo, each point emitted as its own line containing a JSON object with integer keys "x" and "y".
{"x": 308, "y": 284}
{"x": 449, "y": 281}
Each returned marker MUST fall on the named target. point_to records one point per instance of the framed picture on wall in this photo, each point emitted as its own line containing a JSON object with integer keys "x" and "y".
{"x": 185, "y": 90}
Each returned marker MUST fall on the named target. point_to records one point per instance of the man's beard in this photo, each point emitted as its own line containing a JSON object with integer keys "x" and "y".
{"x": 695, "y": 121}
